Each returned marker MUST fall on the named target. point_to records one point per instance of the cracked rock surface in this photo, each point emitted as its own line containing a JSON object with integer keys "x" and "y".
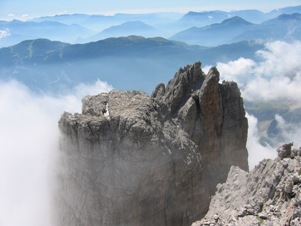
{"x": 269, "y": 195}
{"x": 134, "y": 159}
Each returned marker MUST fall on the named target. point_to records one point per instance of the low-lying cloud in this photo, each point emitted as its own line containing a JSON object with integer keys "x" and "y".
{"x": 4, "y": 33}
{"x": 29, "y": 133}
{"x": 29, "y": 138}
{"x": 275, "y": 78}
{"x": 257, "y": 151}
{"x": 289, "y": 131}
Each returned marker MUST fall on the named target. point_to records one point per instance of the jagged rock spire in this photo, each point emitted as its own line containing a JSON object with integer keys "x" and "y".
{"x": 134, "y": 159}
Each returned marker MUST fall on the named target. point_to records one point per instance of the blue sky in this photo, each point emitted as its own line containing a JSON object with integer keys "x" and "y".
{"x": 10, "y": 9}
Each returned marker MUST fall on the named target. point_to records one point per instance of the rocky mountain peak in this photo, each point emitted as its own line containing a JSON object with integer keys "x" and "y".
{"x": 134, "y": 159}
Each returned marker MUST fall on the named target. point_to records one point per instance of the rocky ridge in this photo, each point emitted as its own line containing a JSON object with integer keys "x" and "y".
{"x": 268, "y": 195}
{"x": 134, "y": 159}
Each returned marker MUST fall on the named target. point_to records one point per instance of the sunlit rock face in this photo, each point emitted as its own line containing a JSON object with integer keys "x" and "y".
{"x": 134, "y": 159}
{"x": 268, "y": 195}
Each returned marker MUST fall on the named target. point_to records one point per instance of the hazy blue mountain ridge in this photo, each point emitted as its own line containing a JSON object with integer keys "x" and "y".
{"x": 200, "y": 19}
{"x": 129, "y": 28}
{"x": 25, "y": 30}
{"x": 285, "y": 10}
{"x": 76, "y": 28}
{"x": 126, "y": 62}
{"x": 215, "y": 34}
{"x": 98, "y": 23}
{"x": 285, "y": 27}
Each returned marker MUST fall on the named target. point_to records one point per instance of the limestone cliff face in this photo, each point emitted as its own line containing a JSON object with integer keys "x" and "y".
{"x": 134, "y": 159}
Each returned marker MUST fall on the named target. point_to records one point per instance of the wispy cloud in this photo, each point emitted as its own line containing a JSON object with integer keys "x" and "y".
{"x": 237, "y": 70}
{"x": 257, "y": 151}
{"x": 28, "y": 146}
{"x": 278, "y": 75}
{"x": 4, "y": 33}
{"x": 289, "y": 131}
{"x": 276, "y": 78}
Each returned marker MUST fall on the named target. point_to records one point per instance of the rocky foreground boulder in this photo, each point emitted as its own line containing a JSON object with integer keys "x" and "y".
{"x": 134, "y": 159}
{"x": 269, "y": 195}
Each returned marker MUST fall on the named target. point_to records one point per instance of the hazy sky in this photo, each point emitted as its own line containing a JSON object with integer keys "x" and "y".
{"x": 34, "y": 8}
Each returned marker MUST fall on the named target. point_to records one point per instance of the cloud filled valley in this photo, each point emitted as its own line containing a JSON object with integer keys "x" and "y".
{"x": 269, "y": 82}
{"x": 158, "y": 148}
{"x": 273, "y": 82}
{"x": 30, "y": 135}
{"x": 275, "y": 77}
{"x": 28, "y": 147}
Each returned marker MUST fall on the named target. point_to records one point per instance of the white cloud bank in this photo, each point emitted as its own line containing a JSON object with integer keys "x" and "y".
{"x": 257, "y": 151}
{"x": 28, "y": 127}
{"x": 275, "y": 79}
{"x": 28, "y": 144}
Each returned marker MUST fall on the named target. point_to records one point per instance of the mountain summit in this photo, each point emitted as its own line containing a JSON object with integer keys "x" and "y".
{"x": 234, "y": 21}
{"x": 128, "y": 28}
{"x": 134, "y": 159}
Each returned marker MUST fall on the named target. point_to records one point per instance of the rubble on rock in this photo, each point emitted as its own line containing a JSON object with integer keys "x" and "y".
{"x": 268, "y": 195}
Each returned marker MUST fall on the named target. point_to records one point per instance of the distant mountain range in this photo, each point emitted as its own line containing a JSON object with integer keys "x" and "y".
{"x": 284, "y": 27}
{"x": 215, "y": 34}
{"x": 126, "y": 63}
{"x": 101, "y": 22}
{"x": 81, "y": 28}
{"x": 135, "y": 62}
{"x": 200, "y": 19}
{"x": 129, "y": 28}
{"x": 25, "y": 30}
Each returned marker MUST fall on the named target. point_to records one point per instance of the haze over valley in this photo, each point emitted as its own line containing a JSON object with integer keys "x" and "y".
{"x": 48, "y": 63}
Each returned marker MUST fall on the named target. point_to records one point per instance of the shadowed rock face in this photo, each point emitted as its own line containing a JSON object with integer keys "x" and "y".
{"x": 134, "y": 159}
